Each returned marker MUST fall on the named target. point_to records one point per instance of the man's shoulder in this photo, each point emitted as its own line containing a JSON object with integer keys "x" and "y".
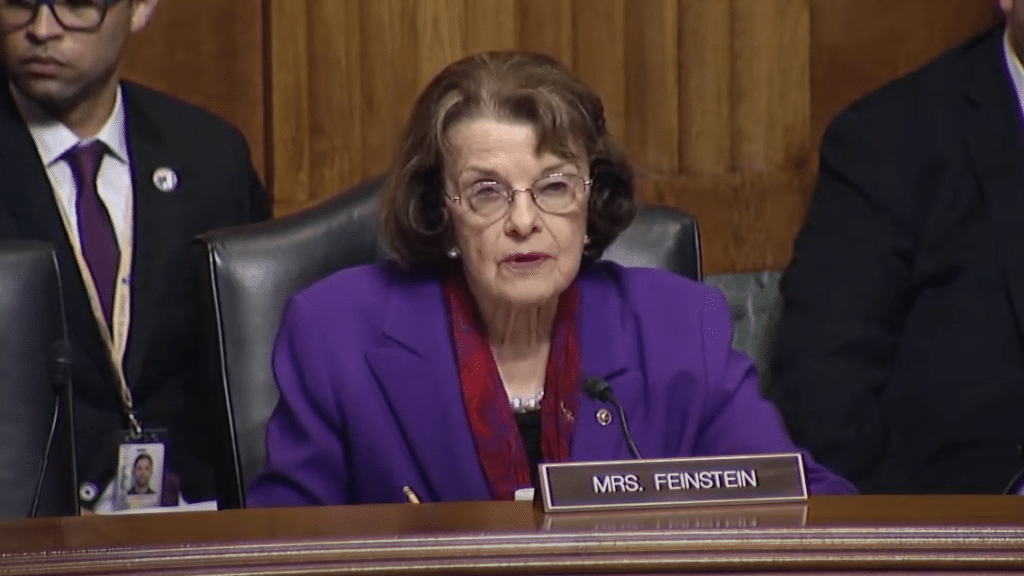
{"x": 934, "y": 87}
{"x": 174, "y": 115}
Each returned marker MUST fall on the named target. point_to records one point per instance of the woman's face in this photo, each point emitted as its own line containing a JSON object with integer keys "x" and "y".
{"x": 522, "y": 255}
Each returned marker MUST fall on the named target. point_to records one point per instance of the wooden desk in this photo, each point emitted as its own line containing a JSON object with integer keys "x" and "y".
{"x": 934, "y": 534}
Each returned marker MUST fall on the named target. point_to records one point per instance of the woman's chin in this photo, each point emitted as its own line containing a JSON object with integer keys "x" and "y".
{"x": 529, "y": 297}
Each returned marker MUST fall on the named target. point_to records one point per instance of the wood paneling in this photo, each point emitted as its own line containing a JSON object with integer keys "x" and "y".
{"x": 705, "y": 104}
{"x": 652, "y": 86}
{"x": 210, "y": 53}
{"x": 601, "y": 31}
{"x": 719, "y": 103}
{"x": 547, "y": 26}
{"x": 332, "y": 111}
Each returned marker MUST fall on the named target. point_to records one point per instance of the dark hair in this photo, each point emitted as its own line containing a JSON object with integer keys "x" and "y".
{"x": 567, "y": 116}
{"x": 140, "y": 457}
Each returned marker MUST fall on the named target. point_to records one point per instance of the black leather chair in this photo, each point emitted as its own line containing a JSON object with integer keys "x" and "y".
{"x": 37, "y": 462}
{"x": 249, "y": 272}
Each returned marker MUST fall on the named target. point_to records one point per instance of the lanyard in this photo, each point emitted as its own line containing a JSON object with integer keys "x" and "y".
{"x": 115, "y": 336}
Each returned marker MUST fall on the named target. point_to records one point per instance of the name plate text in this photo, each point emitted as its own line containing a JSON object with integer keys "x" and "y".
{"x": 666, "y": 482}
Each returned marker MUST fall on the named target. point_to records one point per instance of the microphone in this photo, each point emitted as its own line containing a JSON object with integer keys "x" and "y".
{"x": 599, "y": 389}
{"x": 60, "y": 365}
{"x": 60, "y": 377}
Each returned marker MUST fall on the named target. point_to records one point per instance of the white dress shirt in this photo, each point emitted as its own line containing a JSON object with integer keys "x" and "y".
{"x": 114, "y": 187}
{"x": 114, "y": 179}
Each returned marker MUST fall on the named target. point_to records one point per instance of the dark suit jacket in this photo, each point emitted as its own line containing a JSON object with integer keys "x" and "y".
{"x": 217, "y": 186}
{"x": 900, "y": 359}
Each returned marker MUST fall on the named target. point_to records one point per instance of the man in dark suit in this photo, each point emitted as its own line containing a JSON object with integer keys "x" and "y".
{"x": 119, "y": 179}
{"x": 900, "y": 353}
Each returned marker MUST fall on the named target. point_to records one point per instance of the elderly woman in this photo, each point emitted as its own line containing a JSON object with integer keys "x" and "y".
{"x": 458, "y": 368}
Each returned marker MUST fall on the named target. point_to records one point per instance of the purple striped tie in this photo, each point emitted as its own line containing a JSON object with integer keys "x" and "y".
{"x": 95, "y": 232}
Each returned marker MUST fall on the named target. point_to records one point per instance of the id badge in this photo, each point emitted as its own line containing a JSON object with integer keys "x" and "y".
{"x": 141, "y": 467}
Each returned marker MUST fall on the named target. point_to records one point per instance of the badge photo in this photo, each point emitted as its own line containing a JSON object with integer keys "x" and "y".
{"x": 140, "y": 475}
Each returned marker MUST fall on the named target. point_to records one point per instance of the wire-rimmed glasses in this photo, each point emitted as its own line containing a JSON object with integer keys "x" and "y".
{"x": 554, "y": 194}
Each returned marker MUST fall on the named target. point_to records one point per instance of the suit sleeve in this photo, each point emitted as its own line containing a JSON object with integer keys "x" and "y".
{"x": 257, "y": 206}
{"x": 736, "y": 419}
{"x": 305, "y": 456}
{"x": 257, "y": 200}
{"x": 845, "y": 297}
{"x": 9, "y": 228}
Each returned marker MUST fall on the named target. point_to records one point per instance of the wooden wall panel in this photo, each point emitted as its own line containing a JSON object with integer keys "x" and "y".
{"x": 771, "y": 84}
{"x": 705, "y": 102}
{"x": 440, "y": 37}
{"x": 547, "y": 26}
{"x": 290, "y": 68}
{"x": 652, "y": 86}
{"x": 491, "y": 25}
{"x": 601, "y": 59}
{"x": 719, "y": 103}
{"x": 210, "y": 53}
{"x": 390, "y": 75}
{"x": 333, "y": 114}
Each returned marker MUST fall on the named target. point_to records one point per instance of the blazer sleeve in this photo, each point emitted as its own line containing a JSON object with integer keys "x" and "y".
{"x": 258, "y": 206}
{"x": 306, "y": 463}
{"x": 845, "y": 297}
{"x": 737, "y": 420}
{"x": 256, "y": 201}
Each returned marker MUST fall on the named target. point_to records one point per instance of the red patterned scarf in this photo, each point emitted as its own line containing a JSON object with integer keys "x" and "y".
{"x": 498, "y": 443}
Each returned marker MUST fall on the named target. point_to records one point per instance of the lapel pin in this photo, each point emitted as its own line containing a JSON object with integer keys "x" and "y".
{"x": 604, "y": 417}
{"x": 87, "y": 492}
{"x": 165, "y": 179}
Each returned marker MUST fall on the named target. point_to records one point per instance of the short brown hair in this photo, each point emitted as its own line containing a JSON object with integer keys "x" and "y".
{"x": 567, "y": 116}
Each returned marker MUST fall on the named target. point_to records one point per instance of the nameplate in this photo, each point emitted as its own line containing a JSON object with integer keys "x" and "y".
{"x": 667, "y": 482}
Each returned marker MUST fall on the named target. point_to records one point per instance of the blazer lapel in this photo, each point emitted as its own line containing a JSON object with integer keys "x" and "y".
{"x": 605, "y": 349}
{"x": 27, "y": 192}
{"x": 416, "y": 371}
{"x": 155, "y": 217}
{"x": 996, "y": 145}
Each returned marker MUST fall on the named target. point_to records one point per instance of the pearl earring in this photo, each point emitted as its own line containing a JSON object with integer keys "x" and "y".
{"x": 586, "y": 239}
{"x": 453, "y": 252}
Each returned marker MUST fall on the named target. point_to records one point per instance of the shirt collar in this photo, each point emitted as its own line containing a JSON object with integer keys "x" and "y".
{"x": 53, "y": 138}
{"x": 1013, "y": 64}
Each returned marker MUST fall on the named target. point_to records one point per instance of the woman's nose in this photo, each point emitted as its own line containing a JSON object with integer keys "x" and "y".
{"x": 523, "y": 214}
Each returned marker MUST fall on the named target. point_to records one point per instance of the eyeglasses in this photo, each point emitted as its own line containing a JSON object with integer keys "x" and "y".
{"x": 554, "y": 194}
{"x": 74, "y": 15}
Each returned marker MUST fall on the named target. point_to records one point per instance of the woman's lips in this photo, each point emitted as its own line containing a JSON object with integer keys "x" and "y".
{"x": 526, "y": 261}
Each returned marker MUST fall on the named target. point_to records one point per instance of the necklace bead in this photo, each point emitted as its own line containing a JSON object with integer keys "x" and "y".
{"x": 520, "y": 405}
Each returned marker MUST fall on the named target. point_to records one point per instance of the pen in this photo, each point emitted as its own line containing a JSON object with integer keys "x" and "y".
{"x": 411, "y": 495}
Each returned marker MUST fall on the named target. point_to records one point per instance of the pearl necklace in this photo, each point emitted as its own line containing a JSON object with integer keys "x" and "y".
{"x": 520, "y": 405}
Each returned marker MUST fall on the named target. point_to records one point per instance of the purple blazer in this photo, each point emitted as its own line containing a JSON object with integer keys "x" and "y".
{"x": 371, "y": 399}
